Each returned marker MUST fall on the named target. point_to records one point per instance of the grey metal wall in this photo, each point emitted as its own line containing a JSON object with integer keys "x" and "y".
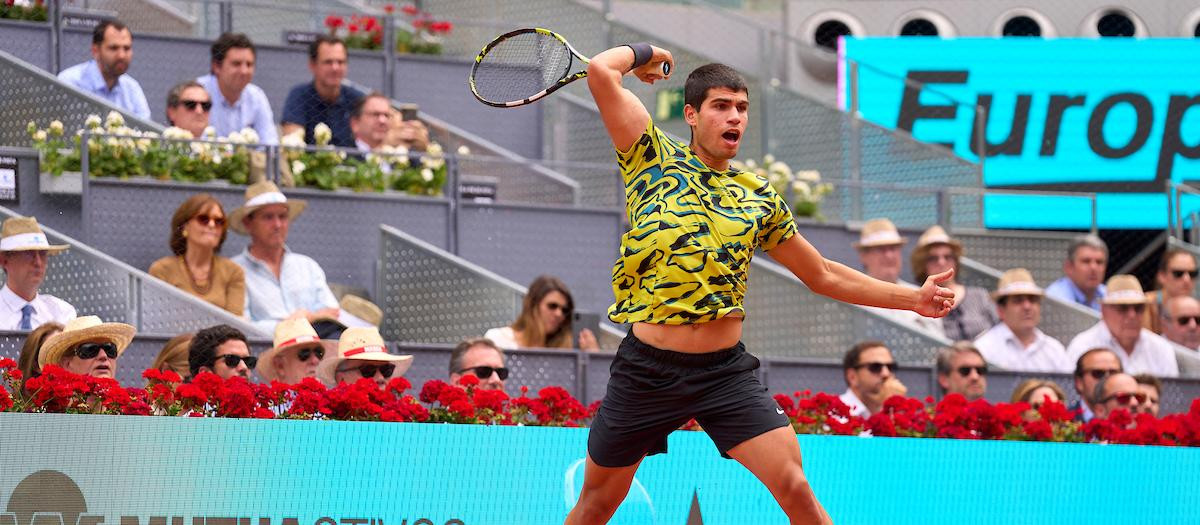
{"x": 60, "y": 212}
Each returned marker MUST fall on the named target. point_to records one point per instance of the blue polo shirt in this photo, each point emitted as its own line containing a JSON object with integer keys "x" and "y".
{"x": 126, "y": 94}
{"x": 306, "y": 108}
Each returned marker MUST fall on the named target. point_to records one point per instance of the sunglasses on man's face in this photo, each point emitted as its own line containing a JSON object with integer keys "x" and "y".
{"x": 306, "y": 353}
{"x": 1178, "y": 274}
{"x": 877, "y": 368}
{"x": 206, "y": 105}
{"x": 91, "y": 350}
{"x": 369, "y": 370}
{"x": 208, "y": 220}
{"x": 1124, "y": 398}
{"x": 484, "y": 372}
{"x": 232, "y": 360}
{"x": 1099, "y": 373}
{"x": 965, "y": 371}
{"x": 1185, "y": 319}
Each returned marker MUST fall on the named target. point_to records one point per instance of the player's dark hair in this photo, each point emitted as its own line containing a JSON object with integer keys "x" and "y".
{"x": 709, "y": 76}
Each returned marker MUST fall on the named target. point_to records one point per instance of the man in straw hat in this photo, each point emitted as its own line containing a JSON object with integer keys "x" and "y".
{"x": 87, "y": 346}
{"x": 279, "y": 282}
{"x": 879, "y": 246}
{"x": 353, "y": 312}
{"x": 1016, "y": 343}
{"x": 1120, "y": 328}
{"x": 361, "y": 353}
{"x": 24, "y": 255}
{"x": 296, "y": 352}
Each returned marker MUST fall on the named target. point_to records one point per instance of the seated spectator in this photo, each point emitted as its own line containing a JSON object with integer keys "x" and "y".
{"x": 544, "y": 321}
{"x": 1118, "y": 392}
{"x": 1152, "y": 387}
{"x": 1182, "y": 321}
{"x": 370, "y": 119}
{"x": 961, "y": 370}
{"x": 1016, "y": 343}
{"x": 24, "y": 255}
{"x": 27, "y": 361}
{"x": 1120, "y": 328}
{"x": 1037, "y": 391}
{"x": 188, "y": 107}
{"x": 279, "y": 282}
{"x": 1091, "y": 367}
{"x": 296, "y": 352}
{"x": 324, "y": 99}
{"x": 174, "y": 356}
{"x": 222, "y": 350}
{"x": 237, "y": 104}
{"x": 353, "y": 312}
{"x": 973, "y": 311}
{"x": 104, "y": 75}
{"x": 869, "y": 369}
{"x": 1087, "y": 258}
{"x": 1176, "y": 277}
{"x": 198, "y": 231}
{"x": 879, "y": 247}
{"x": 480, "y": 358}
{"x": 409, "y": 134}
{"x": 87, "y": 346}
{"x": 361, "y": 353}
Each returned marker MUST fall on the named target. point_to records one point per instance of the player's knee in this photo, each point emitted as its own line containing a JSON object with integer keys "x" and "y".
{"x": 793, "y": 482}
{"x": 599, "y": 502}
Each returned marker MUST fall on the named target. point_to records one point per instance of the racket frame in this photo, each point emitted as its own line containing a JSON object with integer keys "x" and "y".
{"x": 532, "y": 98}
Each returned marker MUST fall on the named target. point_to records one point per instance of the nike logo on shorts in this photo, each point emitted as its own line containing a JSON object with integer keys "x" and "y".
{"x": 780, "y": 410}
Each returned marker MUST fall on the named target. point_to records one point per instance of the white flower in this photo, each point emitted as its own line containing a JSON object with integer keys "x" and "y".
{"x": 200, "y": 149}
{"x": 249, "y": 136}
{"x": 768, "y": 159}
{"x": 143, "y": 144}
{"x": 751, "y": 165}
{"x": 322, "y": 134}
{"x": 808, "y": 175}
{"x": 31, "y": 127}
{"x": 216, "y": 159}
{"x": 112, "y": 142}
{"x": 56, "y": 128}
{"x": 464, "y": 150}
{"x": 341, "y": 155}
{"x": 427, "y": 175}
{"x": 235, "y": 138}
{"x": 293, "y": 140}
{"x": 801, "y": 189}
{"x": 434, "y": 149}
{"x": 39, "y": 135}
{"x": 298, "y": 167}
{"x": 175, "y": 133}
{"x": 23, "y": 3}
{"x": 150, "y": 135}
{"x": 209, "y": 133}
{"x": 92, "y": 122}
{"x": 432, "y": 162}
{"x": 114, "y": 120}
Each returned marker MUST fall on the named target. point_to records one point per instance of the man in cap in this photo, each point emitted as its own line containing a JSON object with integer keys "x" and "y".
{"x": 24, "y": 255}
{"x": 279, "y": 282}
{"x": 361, "y": 353}
{"x": 222, "y": 350}
{"x": 1016, "y": 343}
{"x": 1120, "y": 328}
{"x": 295, "y": 354}
{"x": 879, "y": 246}
{"x": 87, "y": 346}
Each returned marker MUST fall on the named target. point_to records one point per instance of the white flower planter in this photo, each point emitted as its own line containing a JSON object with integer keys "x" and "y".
{"x": 69, "y": 183}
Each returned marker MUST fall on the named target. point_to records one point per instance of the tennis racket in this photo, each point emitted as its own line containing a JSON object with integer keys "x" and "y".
{"x": 522, "y": 66}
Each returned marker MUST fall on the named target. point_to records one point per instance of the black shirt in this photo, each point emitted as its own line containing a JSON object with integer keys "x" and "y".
{"x": 305, "y": 107}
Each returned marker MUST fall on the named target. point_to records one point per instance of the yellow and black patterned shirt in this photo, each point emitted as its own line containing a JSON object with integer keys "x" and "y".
{"x": 686, "y": 257}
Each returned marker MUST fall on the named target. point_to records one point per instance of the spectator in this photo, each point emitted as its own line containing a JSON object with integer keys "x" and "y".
{"x": 353, "y": 312}
{"x": 222, "y": 350}
{"x": 296, "y": 352}
{"x": 1152, "y": 387}
{"x": 361, "y": 353}
{"x": 104, "y": 75}
{"x": 27, "y": 361}
{"x": 869, "y": 369}
{"x": 1087, "y": 258}
{"x": 480, "y": 358}
{"x": 87, "y": 346}
{"x": 1182, "y": 323}
{"x": 973, "y": 312}
{"x": 1091, "y": 367}
{"x": 1176, "y": 277}
{"x": 1118, "y": 392}
{"x": 1037, "y": 391}
{"x": 410, "y": 134}
{"x": 237, "y": 104}
{"x": 188, "y": 107}
{"x": 1016, "y": 343}
{"x": 24, "y": 255}
{"x": 198, "y": 230}
{"x": 544, "y": 321}
{"x": 1120, "y": 328}
{"x": 879, "y": 246}
{"x": 370, "y": 119}
{"x": 174, "y": 356}
{"x": 961, "y": 370}
{"x": 279, "y": 282}
{"x": 324, "y": 99}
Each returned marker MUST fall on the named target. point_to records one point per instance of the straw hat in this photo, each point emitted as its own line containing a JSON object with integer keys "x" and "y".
{"x": 356, "y": 312}
{"x": 363, "y": 344}
{"x": 86, "y": 329}
{"x": 1017, "y": 281}
{"x": 261, "y": 194}
{"x": 289, "y": 333}
{"x": 879, "y": 232}
{"x": 936, "y": 235}
{"x": 1123, "y": 289}
{"x": 22, "y": 234}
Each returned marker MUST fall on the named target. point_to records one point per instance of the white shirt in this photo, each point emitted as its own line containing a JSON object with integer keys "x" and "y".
{"x": 911, "y": 319}
{"x": 503, "y": 337}
{"x": 46, "y": 308}
{"x": 857, "y": 408}
{"x": 300, "y": 285}
{"x": 1000, "y": 347}
{"x": 1152, "y": 354}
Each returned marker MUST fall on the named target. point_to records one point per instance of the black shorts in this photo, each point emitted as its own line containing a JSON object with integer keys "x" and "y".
{"x": 652, "y": 392}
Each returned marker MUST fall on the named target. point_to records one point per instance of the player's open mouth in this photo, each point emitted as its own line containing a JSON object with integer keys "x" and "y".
{"x": 732, "y": 136}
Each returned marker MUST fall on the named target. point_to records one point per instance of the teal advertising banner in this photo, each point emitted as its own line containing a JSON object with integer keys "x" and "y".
{"x": 1113, "y": 116}
{"x": 124, "y": 470}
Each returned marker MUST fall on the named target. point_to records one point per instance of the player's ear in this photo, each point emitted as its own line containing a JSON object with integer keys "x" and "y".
{"x": 689, "y": 114}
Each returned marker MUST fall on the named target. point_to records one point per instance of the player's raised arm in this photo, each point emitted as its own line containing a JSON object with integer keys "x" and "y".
{"x": 623, "y": 114}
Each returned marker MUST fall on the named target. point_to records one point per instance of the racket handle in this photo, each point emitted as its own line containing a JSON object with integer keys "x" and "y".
{"x": 666, "y": 68}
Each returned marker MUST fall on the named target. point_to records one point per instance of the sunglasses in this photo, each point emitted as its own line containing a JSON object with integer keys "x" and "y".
{"x": 1124, "y": 398}
{"x": 877, "y": 368}
{"x": 1098, "y": 373}
{"x": 370, "y": 370}
{"x": 1178, "y": 274}
{"x": 91, "y": 350}
{"x": 560, "y": 307}
{"x": 206, "y": 220}
{"x": 1184, "y": 320}
{"x": 232, "y": 360}
{"x": 206, "y": 105}
{"x": 306, "y": 353}
{"x": 965, "y": 371}
{"x": 484, "y": 372}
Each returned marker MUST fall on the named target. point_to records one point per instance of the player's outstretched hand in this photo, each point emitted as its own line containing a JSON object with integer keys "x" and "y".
{"x": 936, "y": 300}
{"x": 652, "y": 71}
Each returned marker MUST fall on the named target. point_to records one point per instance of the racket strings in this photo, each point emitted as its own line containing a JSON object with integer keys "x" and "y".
{"x": 522, "y": 66}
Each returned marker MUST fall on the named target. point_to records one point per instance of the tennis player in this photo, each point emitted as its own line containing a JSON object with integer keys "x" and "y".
{"x": 680, "y": 281}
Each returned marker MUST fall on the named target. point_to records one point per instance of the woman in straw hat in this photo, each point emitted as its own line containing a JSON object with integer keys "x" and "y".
{"x": 198, "y": 230}
{"x": 544, "y": 321}
{"x": 361, "y": 353}
{"x": 87, "y": 346}
{"x": 973, "y": 311}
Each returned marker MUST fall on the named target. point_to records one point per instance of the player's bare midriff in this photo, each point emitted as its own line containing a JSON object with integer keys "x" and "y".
{"x": 699, "y": 338}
